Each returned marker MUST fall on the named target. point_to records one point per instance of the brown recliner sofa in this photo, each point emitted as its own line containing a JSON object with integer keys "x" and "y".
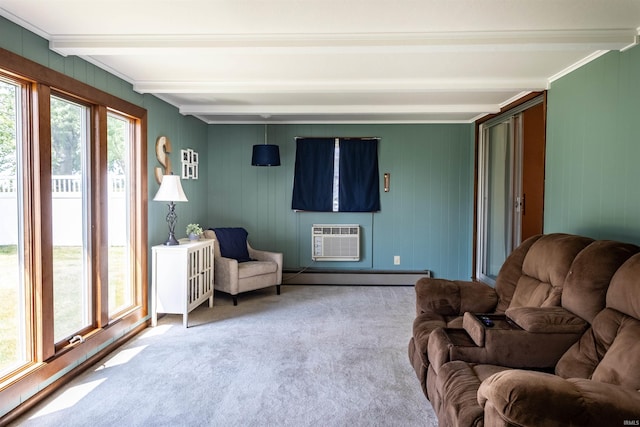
{"x": 596, "y": 382}
{"x": 461, "y": 372}
{"x": 532, "y": 276}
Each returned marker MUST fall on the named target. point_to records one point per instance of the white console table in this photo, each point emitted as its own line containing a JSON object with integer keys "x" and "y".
{"x": 182, "y": 278}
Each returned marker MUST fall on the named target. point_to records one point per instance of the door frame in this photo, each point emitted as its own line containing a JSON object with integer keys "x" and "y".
{"x": 513, "y": 108}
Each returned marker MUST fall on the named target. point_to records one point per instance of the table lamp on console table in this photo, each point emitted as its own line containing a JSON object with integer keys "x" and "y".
{"x": 171, "y": 191}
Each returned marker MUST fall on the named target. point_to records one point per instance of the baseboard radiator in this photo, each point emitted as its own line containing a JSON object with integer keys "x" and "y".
{"x": 353, "y": 277}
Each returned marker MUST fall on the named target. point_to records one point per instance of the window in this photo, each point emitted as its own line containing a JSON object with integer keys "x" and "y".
{"x": 336, "y": 175}
{"x": 14, "y": 343}
{"x": 122, "y": 295}
{"x": 69, "y": 197}
{"x": 73, "y": 249}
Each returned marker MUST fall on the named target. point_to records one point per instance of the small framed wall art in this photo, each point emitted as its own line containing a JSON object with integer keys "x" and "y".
{"x": 189, "y": 164}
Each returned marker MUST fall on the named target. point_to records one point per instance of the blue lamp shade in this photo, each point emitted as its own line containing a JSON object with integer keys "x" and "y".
{"x": 265, "y": 155}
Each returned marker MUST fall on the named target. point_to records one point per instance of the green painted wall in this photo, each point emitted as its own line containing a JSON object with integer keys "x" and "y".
{"x": 163, "y": 120}
{"x": 591, "y": 172}
{"x": 593, "y": 150}
{"x": 183, "y": 132}
{"x": 426, "y": 218}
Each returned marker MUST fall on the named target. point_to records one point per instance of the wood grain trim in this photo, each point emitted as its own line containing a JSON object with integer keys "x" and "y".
{"x": 124, "y": 330}
{"x": 41, "y": 82}
{"x": 505, "y": 109}
{"x": 41, "y": 218}
{"x": 99, "y": 216}
{"x": 511, "y": 106}
{"x": 140, "y": 204}
{"x": 25, "y": 68}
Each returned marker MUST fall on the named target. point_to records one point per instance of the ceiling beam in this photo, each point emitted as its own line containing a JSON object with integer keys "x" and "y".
{"x": 346, "y": 43}
{"x": 345, "y": 86}
{"x": 269, "y": 110}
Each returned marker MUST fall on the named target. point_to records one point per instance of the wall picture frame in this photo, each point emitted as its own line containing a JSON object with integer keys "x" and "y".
{"x": 190, "y": 160}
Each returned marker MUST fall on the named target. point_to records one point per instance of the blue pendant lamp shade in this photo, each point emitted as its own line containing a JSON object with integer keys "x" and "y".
{"x": 265, "y": 154}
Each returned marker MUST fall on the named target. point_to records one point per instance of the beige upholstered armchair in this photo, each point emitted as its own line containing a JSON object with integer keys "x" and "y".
{"x": 240, "y": 268}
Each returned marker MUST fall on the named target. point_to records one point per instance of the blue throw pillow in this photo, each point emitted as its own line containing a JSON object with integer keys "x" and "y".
{"x": 233, "y": 243}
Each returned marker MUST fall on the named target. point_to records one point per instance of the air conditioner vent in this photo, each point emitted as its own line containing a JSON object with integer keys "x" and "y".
{"x": 335, "y": 242}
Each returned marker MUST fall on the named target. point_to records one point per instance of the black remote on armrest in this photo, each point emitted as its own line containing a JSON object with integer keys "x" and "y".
{"x": 486, "y": 321}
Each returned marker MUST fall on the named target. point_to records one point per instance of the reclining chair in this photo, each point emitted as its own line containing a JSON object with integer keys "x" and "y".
{"x": 532, "y": 276}
{"x": 595, "y": 383}
{"x": 475, "y": 375}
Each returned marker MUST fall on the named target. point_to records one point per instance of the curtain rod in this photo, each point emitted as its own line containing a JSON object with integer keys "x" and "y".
{"x": 339, "y": 137}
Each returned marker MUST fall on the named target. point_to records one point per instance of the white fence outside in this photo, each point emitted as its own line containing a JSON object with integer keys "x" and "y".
{"x": 67, "y": 208}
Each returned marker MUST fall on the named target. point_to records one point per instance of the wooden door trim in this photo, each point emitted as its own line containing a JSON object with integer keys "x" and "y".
{"x": 476, "y": 165}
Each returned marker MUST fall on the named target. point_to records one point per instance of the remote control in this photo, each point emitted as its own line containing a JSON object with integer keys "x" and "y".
{"x": 486, "y": 321}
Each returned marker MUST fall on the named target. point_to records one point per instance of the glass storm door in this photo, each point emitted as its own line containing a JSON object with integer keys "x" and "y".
{"x": 499, "y": 191}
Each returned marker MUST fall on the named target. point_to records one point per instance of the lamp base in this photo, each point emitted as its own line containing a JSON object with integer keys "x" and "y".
{"x": 171, "y": 240}
{"x": 172, "y": 218}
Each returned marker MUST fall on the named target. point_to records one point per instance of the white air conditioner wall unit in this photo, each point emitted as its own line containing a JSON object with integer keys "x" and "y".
{"x": 335, "y": 242}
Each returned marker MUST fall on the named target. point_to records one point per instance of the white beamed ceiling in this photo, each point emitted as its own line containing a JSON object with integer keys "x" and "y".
{"x": 326, "y": 61}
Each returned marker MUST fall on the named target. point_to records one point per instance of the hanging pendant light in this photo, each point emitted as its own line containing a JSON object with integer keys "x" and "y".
{"x": 265, "y": 154}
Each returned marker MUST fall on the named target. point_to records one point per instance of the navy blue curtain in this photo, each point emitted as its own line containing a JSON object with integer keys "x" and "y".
{"x": 359, "y": 178}
{"x": 313, "y": 175}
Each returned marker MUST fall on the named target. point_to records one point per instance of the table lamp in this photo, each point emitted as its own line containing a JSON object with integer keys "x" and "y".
{"x": 171, "y": 191}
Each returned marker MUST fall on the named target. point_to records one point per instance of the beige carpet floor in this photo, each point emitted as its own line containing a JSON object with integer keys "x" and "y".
{"x": 313, "y": 356}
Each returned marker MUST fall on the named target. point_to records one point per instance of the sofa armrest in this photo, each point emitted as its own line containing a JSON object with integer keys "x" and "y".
{"x": 453, "y": 297}
{"x": 516, "y": 397}
{"x": 276, "y": 257}
{"x": 503, "y": 342}
{"x": 225, "y": 274}
{"x": 265, "y": 255}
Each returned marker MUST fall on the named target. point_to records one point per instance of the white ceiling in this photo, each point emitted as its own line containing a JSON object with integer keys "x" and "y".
{"x": 333, "y": 61}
